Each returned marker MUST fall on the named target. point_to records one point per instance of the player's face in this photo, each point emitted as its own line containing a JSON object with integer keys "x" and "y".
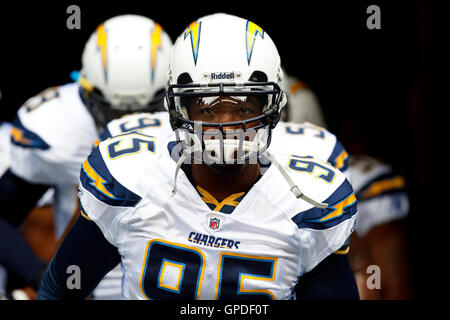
{"x": 227, "y": 109}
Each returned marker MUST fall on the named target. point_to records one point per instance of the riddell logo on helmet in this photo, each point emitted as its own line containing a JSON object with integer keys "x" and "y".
{"x": 222, "y": 75}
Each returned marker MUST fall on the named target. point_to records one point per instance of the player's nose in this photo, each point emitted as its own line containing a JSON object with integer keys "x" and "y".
{"x": 229, "y": 116}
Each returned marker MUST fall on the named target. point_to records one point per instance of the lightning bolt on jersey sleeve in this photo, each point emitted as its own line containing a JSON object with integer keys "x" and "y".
{"x": 102, "y": 197}
{"x": 330, "y": 227}
{"x": 321, "y": 231}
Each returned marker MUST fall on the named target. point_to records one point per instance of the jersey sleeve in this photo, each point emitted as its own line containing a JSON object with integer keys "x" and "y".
{"x": 323, "y": 231}
{"x": 381, "y": 200}
{"x": 103, "y": 199}
{"x": 27, "y": 147}
{"x": 51, "y": 135}
{"x": 331, "y": 279}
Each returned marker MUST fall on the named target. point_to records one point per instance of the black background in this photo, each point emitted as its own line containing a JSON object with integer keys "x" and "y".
{"x": 374, "y": 85}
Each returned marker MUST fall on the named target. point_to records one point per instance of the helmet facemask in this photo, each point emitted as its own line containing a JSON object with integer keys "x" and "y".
{"x": 224, "y": 143}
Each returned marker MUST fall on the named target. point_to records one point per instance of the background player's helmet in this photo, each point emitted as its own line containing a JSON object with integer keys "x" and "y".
{"x": 303, "y": 104}
{"x": 224, "y": 55}
{"x": 124, "y": 67}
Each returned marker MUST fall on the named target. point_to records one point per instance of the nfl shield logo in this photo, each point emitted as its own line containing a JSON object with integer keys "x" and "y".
{"x": 214, "y": 223}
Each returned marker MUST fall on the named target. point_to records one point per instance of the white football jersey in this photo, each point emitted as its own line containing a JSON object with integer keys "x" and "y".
{"x": 301, "y": 139}
{"x": 380, "y": 192}
{"x": 52, "y": 136}
{"x": 173, "y": 245}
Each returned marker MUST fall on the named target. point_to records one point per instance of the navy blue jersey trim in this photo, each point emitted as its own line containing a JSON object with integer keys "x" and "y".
{"x": 342, "y": 206}
{"x": 339, "y": 157}
{"x": 23, "y": 137}
{"x": 96, "y": 178}
{"x": 397, "y": 186}
{"x": 106, "y": 134}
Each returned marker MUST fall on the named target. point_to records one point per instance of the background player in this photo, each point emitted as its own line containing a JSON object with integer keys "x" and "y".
{"x": 124, "y": 66}
{"x": 383, "y": 205}
{"x": 37, "y": 229}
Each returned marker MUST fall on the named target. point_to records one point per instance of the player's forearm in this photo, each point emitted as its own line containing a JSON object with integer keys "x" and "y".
{"x": 18, "y": 197}
{"x": 387, "y": 244}
{"x": 50, "y": 287}
{"x": 15, "y": 253}
{"x": 17, "y": 256}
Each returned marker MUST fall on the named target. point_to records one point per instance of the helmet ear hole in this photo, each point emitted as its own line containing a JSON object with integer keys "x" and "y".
{"x": 258, "y": 76}
{"x": 98, "y": 92}
{"x": 184, "y": 78}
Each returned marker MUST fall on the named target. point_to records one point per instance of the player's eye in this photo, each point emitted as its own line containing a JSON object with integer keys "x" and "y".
{"x": 244, "y": 110}
{"x": 207, "y": 111}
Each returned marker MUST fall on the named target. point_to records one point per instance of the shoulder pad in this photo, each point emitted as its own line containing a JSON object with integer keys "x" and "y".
{"x": 307, "y": 139}
{"x": 140, "y": 162}
{"x": 97, "y": 179}
{"x": 150, "y": 123}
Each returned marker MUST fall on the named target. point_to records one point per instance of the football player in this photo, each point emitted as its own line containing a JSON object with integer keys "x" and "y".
{"x": 383, "y": 204}
{"x": 124, "y": 70}
{"x": 299, "y": 139}
{"x": 198, "y": 218}
{"x": 380, "y": 238}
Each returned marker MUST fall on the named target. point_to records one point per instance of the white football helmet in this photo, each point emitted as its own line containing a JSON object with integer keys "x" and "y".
{"x": 218, "y": 56}
{"x": 124, "y": 67}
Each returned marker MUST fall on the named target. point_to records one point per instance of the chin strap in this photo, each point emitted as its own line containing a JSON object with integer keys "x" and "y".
{"x": 179, "y": 163}
{"x": 294, "y": 189}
